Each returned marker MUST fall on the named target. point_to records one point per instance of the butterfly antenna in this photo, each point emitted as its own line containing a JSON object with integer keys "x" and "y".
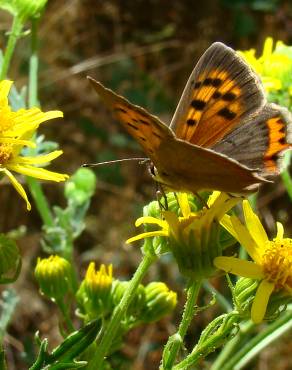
{"x": 141, "y": 160}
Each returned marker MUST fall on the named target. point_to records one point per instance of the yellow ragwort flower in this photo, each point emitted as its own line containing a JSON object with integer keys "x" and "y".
{"x": 99, "y": 281}
{"x": 16, "y": 132}
{"x": 193, "y": 237}
{"x": 272, "y": 259}
{"x": 273, "y": 65}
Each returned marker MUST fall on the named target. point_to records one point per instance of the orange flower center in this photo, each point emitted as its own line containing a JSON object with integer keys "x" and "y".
{"x": 277, "y": 263}
{"x": 5, "y": 153}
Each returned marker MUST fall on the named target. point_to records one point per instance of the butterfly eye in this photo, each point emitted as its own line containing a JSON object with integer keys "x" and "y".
{"x": 152, "y": 170}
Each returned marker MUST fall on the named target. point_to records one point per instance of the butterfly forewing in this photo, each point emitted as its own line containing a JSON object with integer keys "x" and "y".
{"x": 220, "y": 93}
{"x": 147, "y": 129}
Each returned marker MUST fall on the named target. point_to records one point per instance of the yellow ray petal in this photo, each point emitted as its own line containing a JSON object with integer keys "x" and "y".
{"x": 280, "y": 231}
{"x": 18, "y": 187}
{"x": 254, "y": 225}
{"x": 239, "y": 267}
{"x": 150, "y": 220}
{"x": 213, "y": 197}
{"x": 259, "y": 305}
{"x": 147, "y": 235}
{"x": 227, "y": 224}
{"x": 183, "y": 202}
{"x": 246, "y": 240}
{"x": 39, "y": 173}
{"x": 38, "y": 159}
{"x": 5, "y": 87}
{"x": 9, "y": 140}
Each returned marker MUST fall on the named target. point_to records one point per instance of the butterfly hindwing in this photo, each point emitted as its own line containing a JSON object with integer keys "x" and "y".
{"x": 220, "y": 93}
{"x": 196, "y": 168}
{"x": 261, "y": 140}
{"x": 145, "y": 128}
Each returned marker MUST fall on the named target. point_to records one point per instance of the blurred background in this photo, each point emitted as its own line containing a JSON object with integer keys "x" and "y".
{"x": 144, "y": 50}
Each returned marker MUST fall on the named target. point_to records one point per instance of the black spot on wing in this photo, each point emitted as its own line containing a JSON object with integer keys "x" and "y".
{"x": 229, "y": 96}
{"x": 226, "y": 113}
{"x": 132, "y": 126}
{"x": 216, "y": 95}
{"x": 198, "y": 104}
{"x": 197, "y": 84}
{"x": 156, "y": 134}
{"x": 191, "y": 122}
{"x": 120, "y": 109}
{"x": 215, "y": 82}
{"x": 144, "y": 122}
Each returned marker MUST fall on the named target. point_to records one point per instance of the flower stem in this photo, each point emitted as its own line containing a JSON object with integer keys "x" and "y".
{"x": 255, "y": 345}
{"x": 64, "y": 309}
{"x": 111, "y": 329}
{"x": 175, "y": 341}
{"x": 35, "y": 187}
{"x": 230, "y": 348}
{"x": 14, "y": 35}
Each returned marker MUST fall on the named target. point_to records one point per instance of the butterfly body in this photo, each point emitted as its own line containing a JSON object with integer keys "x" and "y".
{"x": 223, "y": 136}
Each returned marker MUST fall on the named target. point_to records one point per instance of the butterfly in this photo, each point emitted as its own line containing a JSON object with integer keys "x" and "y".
{"x": 223, "y": 135}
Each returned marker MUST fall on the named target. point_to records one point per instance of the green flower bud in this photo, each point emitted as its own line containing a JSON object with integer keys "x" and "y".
{"x": 94, "y": 294}
{"x": 138, "y": 301}
{"x": 244, "y": 293}
{"x": 10, "y": 260}
{"x": 160, "y": 301}
{"x": 24, "y": 9}
{"x": 81, "y": 186}
{"x": 53, "y": 275}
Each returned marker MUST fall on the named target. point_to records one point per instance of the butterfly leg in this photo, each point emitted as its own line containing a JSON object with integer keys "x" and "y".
{"x": 160, "y": 193}
{"x": 202, "y": 200}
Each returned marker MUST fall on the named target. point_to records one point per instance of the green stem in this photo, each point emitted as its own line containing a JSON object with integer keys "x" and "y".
{"x": 119, "y": 312}
{"x": 230, "y": 348}
{"x": 14, "y": 35}
{"x": 256, "y": 344}
{"x": 35, "y": 187}
{"x": 2, "y": 358}
{"x": 40, "y": 201}
{"x": 33, "y": 66}
{"x": 176, "y": 341}
{"x": 64, "y": 309}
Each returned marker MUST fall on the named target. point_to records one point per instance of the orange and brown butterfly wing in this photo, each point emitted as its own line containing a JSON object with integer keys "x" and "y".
{"x": 261, "y": 141}
{"x": 145, "y": 128}
{"x": 196, "y": 168}
{"x": 220, "y": 93}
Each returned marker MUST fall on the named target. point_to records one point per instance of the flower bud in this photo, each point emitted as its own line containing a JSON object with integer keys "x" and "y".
{"x": 244, "y": 293}
{"x": 138, "y": 302}
{"x": 160, "y": 301}
{"x": 10, "y": 260}
{"x": 24, "y": 9}
{"x": 94, "y": 294}
{"x": 54, "y": 275}
{"x": 81, "y": 186}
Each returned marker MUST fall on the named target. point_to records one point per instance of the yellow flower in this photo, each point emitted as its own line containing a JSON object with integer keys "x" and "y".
{"x": 272, "y": 259}
{"x": 274, "y": 66}
{"x": 193, "y": 237}
{"x": 16, "y": 132}
{"x": 99, "y": 282}
{"x": 94, "y": 294}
